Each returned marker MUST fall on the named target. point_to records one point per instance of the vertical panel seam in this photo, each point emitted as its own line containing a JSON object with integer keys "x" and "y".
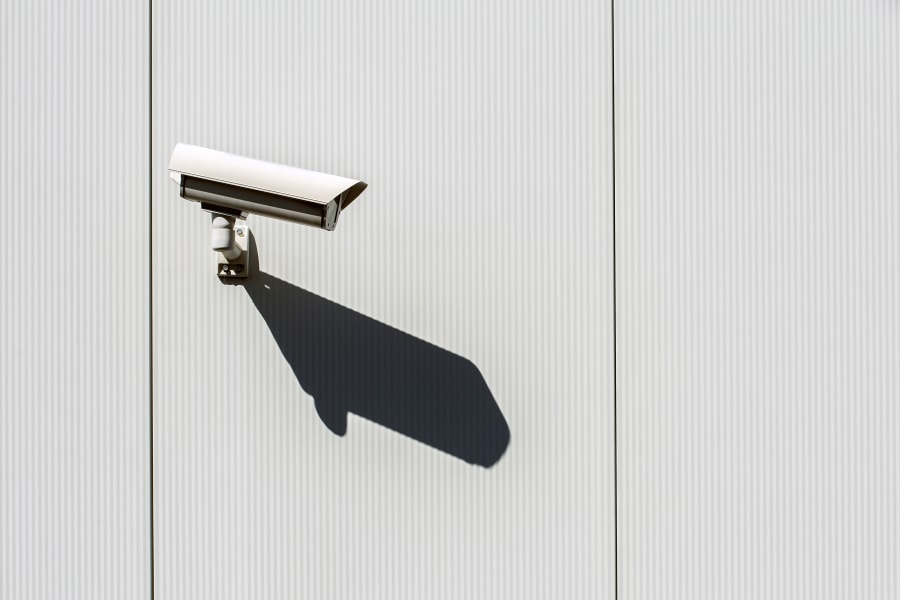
{"x": 612, "y": 37}
{"x": 150, "y": 275}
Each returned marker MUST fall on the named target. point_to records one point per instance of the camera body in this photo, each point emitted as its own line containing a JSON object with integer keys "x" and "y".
{"x": 232, "y": 187}
{"x": 236, "y": 186}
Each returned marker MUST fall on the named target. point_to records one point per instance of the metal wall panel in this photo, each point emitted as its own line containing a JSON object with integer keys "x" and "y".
{"x": 472, "y": 280}
{"x": 74, "y": 304}
{"x": 757, "y": 188}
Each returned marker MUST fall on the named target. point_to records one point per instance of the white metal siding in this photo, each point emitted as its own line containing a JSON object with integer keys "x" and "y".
{"x": 483, "y": 130}
{"x": 74, "y": 302}
{"x": 757, "y": 193}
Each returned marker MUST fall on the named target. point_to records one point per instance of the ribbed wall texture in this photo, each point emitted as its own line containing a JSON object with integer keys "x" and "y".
{"x": 757, "y": 192}
{"x": 484, "y": 131}
{"x": 74, "y": 302}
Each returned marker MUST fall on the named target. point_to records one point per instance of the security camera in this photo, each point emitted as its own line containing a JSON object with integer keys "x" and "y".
{"x": 232, "y": 187}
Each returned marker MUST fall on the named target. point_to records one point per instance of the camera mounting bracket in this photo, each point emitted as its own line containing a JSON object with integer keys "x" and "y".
{"x": 231, "y": 243}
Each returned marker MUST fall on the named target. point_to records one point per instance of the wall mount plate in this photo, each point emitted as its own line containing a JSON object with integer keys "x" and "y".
{"x": 238, "y": 268}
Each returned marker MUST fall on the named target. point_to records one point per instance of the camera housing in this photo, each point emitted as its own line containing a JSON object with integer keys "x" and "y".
{"x": 237, "y": 186}
{"x": 232, "y": 187}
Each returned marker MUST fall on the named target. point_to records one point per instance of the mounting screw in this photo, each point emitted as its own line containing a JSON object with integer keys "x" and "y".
{"x": 240, "y": 232}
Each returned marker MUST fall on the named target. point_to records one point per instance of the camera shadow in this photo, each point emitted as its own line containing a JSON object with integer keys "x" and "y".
{"x": 349, "y": 362}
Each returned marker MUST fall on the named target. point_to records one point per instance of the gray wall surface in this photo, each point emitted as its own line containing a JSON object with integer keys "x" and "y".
{"x": 468, "y": 291}
{"x": 420, "y": 404}
{"x": 74, "y": 303}
{"x": 757, "y": 154}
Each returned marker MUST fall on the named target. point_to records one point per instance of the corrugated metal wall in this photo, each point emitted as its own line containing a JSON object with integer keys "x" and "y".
{"x": 757, "y": 192}
{"x": 74, "y": 302}
{"x": 467, "y": 291}
{"x": 756, "y": 152}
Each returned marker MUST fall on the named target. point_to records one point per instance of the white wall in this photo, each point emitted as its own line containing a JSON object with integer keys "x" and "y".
{"x": 757, "y": 192}
{"x": 483, "y": 130}
{"x": 74, "y": 302}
